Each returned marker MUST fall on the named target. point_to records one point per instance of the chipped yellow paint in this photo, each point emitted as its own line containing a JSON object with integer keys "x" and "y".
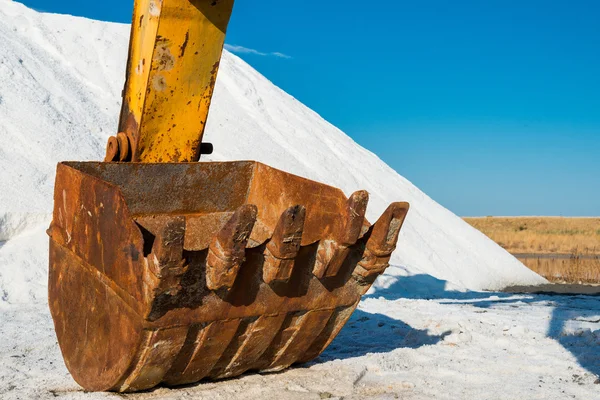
{"x": 174, "y": 56}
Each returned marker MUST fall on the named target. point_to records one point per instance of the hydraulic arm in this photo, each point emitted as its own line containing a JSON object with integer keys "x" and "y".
{"x": 174, "y": 56}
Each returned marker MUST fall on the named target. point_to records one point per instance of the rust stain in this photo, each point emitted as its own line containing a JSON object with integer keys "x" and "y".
{"x": 184, "y": 44}
{"x": 164, "y": 60}
{"x": 159, "y": 83}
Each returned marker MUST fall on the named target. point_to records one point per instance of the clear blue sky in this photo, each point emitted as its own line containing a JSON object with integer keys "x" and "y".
{"x": 491, "y": 107}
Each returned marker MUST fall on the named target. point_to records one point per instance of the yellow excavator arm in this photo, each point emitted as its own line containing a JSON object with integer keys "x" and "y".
{"x": 174, "y": 56}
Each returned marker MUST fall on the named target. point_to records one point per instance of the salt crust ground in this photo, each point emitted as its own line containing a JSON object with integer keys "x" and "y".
{"x": 414, "y": 336}
{"x": 458, "y": 346}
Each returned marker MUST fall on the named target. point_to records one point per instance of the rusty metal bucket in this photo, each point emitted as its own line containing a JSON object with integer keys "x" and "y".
{"x": 174, "y": 273}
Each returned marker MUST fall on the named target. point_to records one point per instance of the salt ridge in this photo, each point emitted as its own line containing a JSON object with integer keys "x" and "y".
{"x": 60, "y": 84}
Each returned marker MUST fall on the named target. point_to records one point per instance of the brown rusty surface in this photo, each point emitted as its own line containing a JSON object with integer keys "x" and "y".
{"x": 333, "y": 250}
{"x": 112, "y": 149}
{"x": 300, "y": 335}
{"x": 158, "y": 351}
{"x": 92, "y": 221}
{"x": 99, "y": 334}
{"x": 382, "y": 240}
{"x": 284, "y": 245}
{"x": 185, "y": 188}
{"x": 227, "y": 250}
{"x": 205, "y": 345}
{"x": 173, "y": 273}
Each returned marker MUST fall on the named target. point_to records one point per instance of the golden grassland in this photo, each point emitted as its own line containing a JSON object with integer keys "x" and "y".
{"x": 560, "y": 249}
{"x": 542, "y": 235}
{"x": 571, "y": 270}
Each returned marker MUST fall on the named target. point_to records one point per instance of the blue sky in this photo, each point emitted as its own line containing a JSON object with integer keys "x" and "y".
{"x": 491, "y": 107}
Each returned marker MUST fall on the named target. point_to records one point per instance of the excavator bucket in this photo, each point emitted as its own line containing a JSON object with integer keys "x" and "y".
{"x": 172, "y": 273}
{"x": 166, "y": 270}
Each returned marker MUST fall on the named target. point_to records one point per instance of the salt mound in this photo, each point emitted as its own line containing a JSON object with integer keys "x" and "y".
{"x": 60, "y": 85}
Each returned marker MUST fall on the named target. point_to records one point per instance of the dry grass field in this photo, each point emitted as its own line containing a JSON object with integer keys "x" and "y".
{"x": 560, "y": 249}
{"x": 542, "y": 235}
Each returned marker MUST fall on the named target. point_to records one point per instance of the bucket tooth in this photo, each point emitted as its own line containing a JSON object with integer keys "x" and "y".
{"x": 382, "y": 240}
{"x": 330, "y": 257}
{"x": 166, "y": 262}
{"x": 332, "y": 253}
{"x": 355, "y": 217}
{"x": 283, "y": 248}
{"x": 228, "y": 248}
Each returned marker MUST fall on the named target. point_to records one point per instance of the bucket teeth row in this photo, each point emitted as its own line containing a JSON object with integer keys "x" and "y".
{"x": 332, "y": 252}
{"x": 382, "y": 240}
{"x": 227, "y": 250}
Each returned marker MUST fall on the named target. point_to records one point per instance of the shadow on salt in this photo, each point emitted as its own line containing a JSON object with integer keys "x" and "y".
{"x": 356, "y": 338}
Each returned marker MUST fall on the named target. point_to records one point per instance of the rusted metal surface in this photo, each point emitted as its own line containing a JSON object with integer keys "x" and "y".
{"x": 333, "y": 251}
{"x": 284, "y": 245}
{"x": 227, "y": 250}
{"x": 174, "y": 273}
